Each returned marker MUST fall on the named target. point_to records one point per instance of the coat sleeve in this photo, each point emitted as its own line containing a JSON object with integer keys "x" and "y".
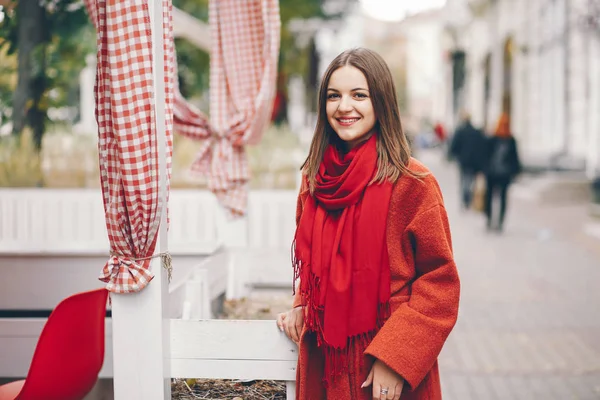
{"x": 298, "y": 301}
{"x": 411, "y": 339}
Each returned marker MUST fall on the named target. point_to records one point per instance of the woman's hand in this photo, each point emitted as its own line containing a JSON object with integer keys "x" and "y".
{"x": 387, "y": 384}
{"x": 292, "y": 322}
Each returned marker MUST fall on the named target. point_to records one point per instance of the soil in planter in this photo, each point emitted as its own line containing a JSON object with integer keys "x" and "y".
{"x": 262, "y": 305}
{"x": 194, "y": 389}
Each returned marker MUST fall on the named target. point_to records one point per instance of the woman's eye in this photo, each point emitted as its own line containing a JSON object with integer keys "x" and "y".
{"x": 333, "y": 96}
{"x": 361, "y": 95}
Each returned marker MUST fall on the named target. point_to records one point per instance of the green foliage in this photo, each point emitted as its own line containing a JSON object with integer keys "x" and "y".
{"x": 294, "y": 60}
{"x": 8, "y": 64}
{"x": 72, "y": 38}
{"x": 8, "y": 81}
{"x": 65, "y": 59}
{"x": 67, "y": 37}
{"x": 192, "y": 68}
{"x": 192, "y": 63}
{"x": 196, "y": 8}
{"x": 20, "y": 164}
{"x": 8, "y": 30}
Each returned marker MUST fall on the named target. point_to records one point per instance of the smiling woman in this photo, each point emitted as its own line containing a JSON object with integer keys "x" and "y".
{"x": 386, "y": 10}
{"x": 378, "y": 289}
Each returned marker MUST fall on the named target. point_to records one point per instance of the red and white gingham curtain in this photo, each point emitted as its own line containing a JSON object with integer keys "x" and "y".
{"x": 128, "y": 147}
{"x": 244, "y": 53}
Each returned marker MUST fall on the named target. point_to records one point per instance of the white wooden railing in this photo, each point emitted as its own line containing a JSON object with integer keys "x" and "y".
{"x": 236, "y": 349}
{"x": 71, "y": 221}
{"x": 58, "y": 223}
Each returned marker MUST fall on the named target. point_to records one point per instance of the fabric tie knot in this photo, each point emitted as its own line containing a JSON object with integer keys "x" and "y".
{"x": 125, "y": 274}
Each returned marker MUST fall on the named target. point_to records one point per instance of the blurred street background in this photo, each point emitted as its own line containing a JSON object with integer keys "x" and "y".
{"x": 529, "y": 323}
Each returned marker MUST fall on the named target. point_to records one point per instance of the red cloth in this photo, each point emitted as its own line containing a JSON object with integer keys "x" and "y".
{"x": 245, "y": 37}
{"x": 127, "y": 134}
{"x": 244, "y": 52}
{"x": 424, "y": 299}
{"x": 341, "y": 254}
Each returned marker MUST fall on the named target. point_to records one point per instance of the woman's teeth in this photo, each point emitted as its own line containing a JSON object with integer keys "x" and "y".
{"x": 347, "y": 121}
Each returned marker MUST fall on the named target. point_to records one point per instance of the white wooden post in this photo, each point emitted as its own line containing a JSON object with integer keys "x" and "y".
{"x": 87, "y": 123}
{"x": 290, "y": 390}
{"x": 141, "y": 331}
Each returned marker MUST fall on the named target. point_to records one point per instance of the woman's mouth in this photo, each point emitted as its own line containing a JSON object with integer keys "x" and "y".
{"x": 347, "y": 121}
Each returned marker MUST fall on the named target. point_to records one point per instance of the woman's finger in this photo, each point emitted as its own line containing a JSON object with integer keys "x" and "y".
{"x": 391, "y": 392}
{"x": 377, "y": 391}
{"x": 397, "y": 391}
{"x": 297, "y": 327}
{"x": 280, "y": 318}
{"x": 289, "y": 322}
{"x": 369, "y": 379}
{"x": 286, "y": 326}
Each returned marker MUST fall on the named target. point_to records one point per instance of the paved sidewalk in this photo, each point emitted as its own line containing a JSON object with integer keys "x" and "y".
{"x": 529, "y": 323}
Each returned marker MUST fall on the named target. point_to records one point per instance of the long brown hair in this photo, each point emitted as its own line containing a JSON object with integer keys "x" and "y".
{"x": 393, "y": 148}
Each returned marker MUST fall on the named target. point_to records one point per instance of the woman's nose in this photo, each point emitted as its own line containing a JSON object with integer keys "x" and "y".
{"x": 345, "y": 104}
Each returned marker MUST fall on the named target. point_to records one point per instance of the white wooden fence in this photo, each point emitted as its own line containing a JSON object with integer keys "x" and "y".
{"x": 236, "y": 349}
{"x": 70, "y": 222}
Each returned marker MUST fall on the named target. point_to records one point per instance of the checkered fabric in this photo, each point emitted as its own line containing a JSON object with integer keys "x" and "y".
{"x": 90, "y": 6}
{"x": 127, "y": 137}
{"x": 243, "y": 70}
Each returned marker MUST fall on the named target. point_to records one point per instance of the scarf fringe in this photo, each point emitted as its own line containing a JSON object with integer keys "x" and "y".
{"x": 336, "y": 359}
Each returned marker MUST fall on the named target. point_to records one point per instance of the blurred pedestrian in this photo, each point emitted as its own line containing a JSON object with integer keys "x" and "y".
{"x": 378, "y": 291}
{"x": 502, "y": 166}
{"x": 468, "y": 148}
{"x": 440, "y": 132}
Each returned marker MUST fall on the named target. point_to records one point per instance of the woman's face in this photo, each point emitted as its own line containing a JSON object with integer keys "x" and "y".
{"x": 349, "y": 108}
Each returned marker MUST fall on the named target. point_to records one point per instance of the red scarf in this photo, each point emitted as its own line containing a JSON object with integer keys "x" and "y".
{"x": 341, "y": 256}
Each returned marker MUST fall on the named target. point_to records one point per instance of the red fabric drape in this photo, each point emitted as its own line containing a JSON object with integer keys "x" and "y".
{"x": 243, "y": 71}
{"x": 244, "y": 55}
{"x": 127, "y": 137}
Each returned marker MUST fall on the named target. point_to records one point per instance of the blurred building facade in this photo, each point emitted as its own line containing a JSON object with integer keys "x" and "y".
{"x": 538, "y": 61}
{"x": 413, "y": 50}
{"x": 424, "y": 60}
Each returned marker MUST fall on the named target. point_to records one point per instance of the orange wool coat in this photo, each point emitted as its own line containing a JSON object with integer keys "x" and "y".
{"x": 424, "y": 301}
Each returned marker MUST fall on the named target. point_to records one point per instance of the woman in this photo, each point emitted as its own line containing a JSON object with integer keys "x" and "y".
{"x": 502, "y": 167}
{"x": 378, "y": 291}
